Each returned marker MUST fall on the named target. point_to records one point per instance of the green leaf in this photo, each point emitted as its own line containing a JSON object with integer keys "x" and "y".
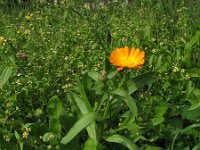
{"x": 127, "y": 99}
{"x": 83, "y": 95}
{"x": 132, "y": 87}
{"x": 153, "y": 148}
{"x": 19, "y": 140}
{"x": 139, "y": 82}
{"x": 151, "y": 59}
{"x": 158, "y": 120}
{"x": 90, "y": 144}
{"x": 120, "y": 92}
{"x": 94, "y": 75}
{"x": 159, "y": 62}
{"x": 161, "y": 109}
{"x": 27, "y": 125}
{"x": 184, "y": 131}
{"x": 80, "y": 103}
{"x": 55, "y": 110}
{"x": 121, "y": 140}
{"x": 112, "y": 74}
{"x": 188, "y": 48}
{"x": 130, "y": 102}
{"x": 197, "y": 147}
{"x": 85, "y": 108}
{"x": 82, "y": 123}
{"x": 193, "y": 114}
{"x": 189, "y": 89}
{"x": 195, "y": 103}
{"x": 5, "y": 73}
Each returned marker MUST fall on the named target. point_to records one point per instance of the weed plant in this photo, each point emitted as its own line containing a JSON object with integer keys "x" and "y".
{"x": 58, "y": 89}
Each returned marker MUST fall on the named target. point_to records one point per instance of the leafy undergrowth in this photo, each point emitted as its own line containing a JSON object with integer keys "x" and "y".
{"x": 59, "y": 91}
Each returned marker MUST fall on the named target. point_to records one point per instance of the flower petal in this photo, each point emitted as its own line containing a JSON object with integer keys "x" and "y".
{"x": 127, "y": 58}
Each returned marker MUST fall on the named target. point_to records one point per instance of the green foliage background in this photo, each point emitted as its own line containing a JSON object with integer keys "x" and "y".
{"x": 59, "y": 91}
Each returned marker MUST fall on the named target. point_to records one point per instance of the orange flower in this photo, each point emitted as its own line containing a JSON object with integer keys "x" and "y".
{"x": 127, "y": 58}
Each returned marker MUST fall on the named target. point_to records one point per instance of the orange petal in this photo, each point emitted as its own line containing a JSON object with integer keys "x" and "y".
{"x": 136, "y": 53}
{"x": 140, "y": 55}
{"x": 120, "y": 68}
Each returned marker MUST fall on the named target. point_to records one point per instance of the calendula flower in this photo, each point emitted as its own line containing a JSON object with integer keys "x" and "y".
{"x": 2, "y": 40}
{"x": 127, "y": 58}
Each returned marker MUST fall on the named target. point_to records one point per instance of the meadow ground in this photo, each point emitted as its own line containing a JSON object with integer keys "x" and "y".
{"x": 68, "y": 81}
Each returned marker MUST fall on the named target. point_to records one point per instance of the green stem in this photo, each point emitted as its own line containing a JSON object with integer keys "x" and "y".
{"x": 117, "y": 130}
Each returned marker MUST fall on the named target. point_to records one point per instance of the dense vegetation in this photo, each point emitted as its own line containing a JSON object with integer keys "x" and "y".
{"x": 58, "y": 89}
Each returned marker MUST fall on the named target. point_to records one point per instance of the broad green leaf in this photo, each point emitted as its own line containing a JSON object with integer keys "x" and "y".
{"x": 127, "y": 99}
{"x": 166, "y": 86}
{"x": 83, "y": 95}
{"x": 17, "y": 136}
{"x": 134, "y": 129}
{"x": 85, "y": 108}
{"x": 139, "y": 82}
{"x": 21, "y": 144}
{"x": 188, "y": 48}
{"x": 81, "y": 104}
{"x": 121, "y": 140}
{"x": 27, "y": 125}
{"x": 130, "y": 102}
{"x": 153, "y": 148}
{"x": 82, "y": 123}
{"x": 195, "y": 103}
{"x": 120, "y": 92}
{"x": 90, "y": 144}
{"x": 161, "y": 109}
{"x": 140, "y": 138}
{"x": 5, "y": 73}
{"x": 144, "y": 79}
{"x": 112, "y": 74}
{"x": 193, "y": 114}
{"x": 94, "y": 75}
{"x": 91, "y": 129}
{"x": 55, "y": 110}
{"x": 132, "y": 87}
{"x": 158, "y": 120}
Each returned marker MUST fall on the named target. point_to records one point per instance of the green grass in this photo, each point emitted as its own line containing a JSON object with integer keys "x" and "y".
{"x": 59, "y": 91}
